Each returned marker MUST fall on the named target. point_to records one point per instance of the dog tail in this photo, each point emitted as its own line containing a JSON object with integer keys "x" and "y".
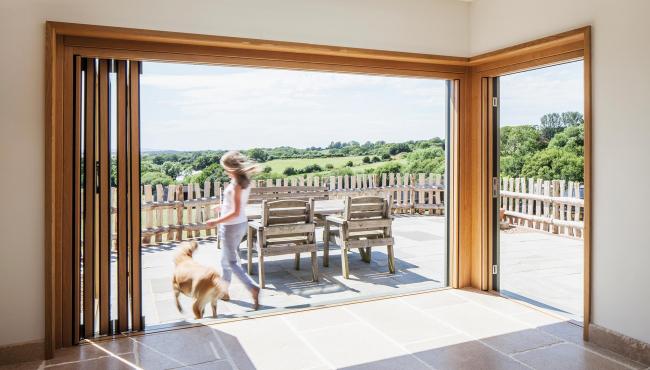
{"x": 186, "y": 250}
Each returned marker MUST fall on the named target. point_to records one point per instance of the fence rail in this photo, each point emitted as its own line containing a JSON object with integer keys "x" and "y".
{"x": 179, "y": 212}
{"x": 553, "y": 206}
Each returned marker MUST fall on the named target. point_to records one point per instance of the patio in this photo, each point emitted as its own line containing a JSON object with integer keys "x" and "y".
{"x": 420, "y": 263}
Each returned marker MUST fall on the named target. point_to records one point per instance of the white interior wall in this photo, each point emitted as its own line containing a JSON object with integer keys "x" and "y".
{"x": 414, "y": 26}
{"x": 621, "y": 128}
{"x": 621, "y": 87}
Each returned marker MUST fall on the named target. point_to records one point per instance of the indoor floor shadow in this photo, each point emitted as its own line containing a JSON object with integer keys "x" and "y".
{"x": 445, "y": 329}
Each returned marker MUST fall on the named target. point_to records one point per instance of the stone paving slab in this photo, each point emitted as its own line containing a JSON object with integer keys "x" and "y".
{"x": 541, "y": 268}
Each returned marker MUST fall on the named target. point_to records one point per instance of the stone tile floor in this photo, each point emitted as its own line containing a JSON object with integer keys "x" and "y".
{"x": 420, "y": 256}
{"x": 444, "y": 329}
{"x": 543, "y": 269}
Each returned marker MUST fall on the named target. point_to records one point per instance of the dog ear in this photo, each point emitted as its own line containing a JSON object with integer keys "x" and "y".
{"x": 193, "y": 245}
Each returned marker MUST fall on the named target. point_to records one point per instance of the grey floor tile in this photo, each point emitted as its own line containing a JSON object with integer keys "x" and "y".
{"x": 567, "y": 356}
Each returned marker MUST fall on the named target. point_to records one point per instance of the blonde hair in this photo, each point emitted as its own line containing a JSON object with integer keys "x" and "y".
{"x": 236, "y": 163}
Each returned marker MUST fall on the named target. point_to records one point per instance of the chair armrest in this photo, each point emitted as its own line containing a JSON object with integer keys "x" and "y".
{"x": 335, "y": 220}
{"x": 255, "y": 225}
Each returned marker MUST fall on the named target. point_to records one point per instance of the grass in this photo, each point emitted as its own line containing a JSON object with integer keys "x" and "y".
{"x": 278, "y": 165}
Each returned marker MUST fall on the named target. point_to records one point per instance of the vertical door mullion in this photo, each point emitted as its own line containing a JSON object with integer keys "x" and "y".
{"x": 67, "y": 247}
{"x": 122, "y": 200}
{"x": 104, "y": 197}
{"x": 135, "y": 199}
{"x": 89, "y": 200}
{"x": 76, "y": 299}
{"x": 495, "y": 154}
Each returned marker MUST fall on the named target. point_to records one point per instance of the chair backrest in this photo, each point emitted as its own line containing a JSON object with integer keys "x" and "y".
{"x": 287, "y": 212}
{"x": 269, "y": 193}
{"x": 366, "y": 208}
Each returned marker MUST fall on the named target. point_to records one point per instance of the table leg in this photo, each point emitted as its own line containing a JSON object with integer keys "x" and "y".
{"x": 326, "y": 245}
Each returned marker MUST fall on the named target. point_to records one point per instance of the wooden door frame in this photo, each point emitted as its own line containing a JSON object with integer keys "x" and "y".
{"x": 561, "y": 48}
{"x": 133, "y": 44}
{"x": 467, "y": 209}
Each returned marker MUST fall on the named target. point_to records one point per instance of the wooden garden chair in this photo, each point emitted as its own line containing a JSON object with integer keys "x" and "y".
{"x": 286, "y": 227}
{"x": 366, "y": 223}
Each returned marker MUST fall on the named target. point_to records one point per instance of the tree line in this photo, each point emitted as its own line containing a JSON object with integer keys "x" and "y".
{"x": 552, "y": 149}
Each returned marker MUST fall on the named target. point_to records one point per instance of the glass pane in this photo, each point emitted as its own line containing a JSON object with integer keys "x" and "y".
{"x": 353, "y": 135}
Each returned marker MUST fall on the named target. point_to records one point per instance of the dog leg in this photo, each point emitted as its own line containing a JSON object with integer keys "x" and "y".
{"x": 214, "y": 306}
{"x": 197, "y": 309}
{"x": 177, "y": 292}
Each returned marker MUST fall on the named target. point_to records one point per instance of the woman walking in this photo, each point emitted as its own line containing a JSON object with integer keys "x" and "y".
{"x": 233, "y": 222}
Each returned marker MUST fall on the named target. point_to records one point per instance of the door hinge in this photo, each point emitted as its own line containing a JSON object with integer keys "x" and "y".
{"x": 494, "y": 269}
{"x": 495, "y": 187}
{"x": 495, "y": 101}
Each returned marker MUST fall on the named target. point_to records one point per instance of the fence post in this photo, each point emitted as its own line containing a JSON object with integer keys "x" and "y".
{"x": 171, "y": 194}
{"x": 148, "y": 222}
{"x": 189, "y": 210}
{"x": 578, "y": 209}
{"x": 547, "y": 204}
{"x": 207, "y": 212}
{"x": 179, "y": 213}
{"x": 555, "y": 205}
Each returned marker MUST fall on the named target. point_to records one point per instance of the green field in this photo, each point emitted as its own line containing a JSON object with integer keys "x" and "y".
{"x": 278, "y": 165}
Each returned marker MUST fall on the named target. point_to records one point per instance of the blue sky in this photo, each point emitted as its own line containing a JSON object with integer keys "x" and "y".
{"x": 527, "y": 96}
{"x": 194, "y": 107}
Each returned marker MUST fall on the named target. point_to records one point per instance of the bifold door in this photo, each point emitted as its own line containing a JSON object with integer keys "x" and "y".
{"x": 102, "y": 257}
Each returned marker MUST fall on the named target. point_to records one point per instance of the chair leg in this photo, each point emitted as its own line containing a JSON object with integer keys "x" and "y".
{"x": 391, "y": 259}
{"x": 297, "y": 261}
{"x": 326, "y": 245}
{"x": 314, "y": 265}
{"x": 260, "y": 268}
{"x": 366, "y": 256}
{"x": 345, "y": 262}
{"x": 249, "y": 245}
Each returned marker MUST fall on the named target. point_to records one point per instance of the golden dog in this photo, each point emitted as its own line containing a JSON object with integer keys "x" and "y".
{"x": 202, "y": 283}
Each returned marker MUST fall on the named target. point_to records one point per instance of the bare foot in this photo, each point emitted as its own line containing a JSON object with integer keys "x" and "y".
{"x": 256, "y": 298}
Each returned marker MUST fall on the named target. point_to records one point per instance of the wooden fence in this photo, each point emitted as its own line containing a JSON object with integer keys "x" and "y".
{"x": 179, "y": 212}
{"x": 553, "y": 206}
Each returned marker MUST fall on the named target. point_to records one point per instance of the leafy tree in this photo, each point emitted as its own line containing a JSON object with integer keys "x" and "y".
{"x": 289, "y": 171}
{"x": 258, "y": 155}
{"x": 549, "y": 125}
{"x": 171, "y": 169}
{"x": 366, "y": 159}
{"x": 329, "y": 166}
{"x": 312, "y": 168}
{"x": 267, "y": 169}
{"x": 391, "y": 167}
{"x": 399, "y": 148}
{"x": 376, "y": 159}
{"x": 385, "y": 156}
{"x": 572, "y": 119}
{"x": 571, "y": 139}
{"x": 155, "y": 178}
{"x": 516, "y": 145}
{"x": 213, "y": 172}
{"x": 429, "y": 160}
{"x": 205, "y": 160}
{"x": 554, "y": 163}
{"x": 349, "y": 164}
